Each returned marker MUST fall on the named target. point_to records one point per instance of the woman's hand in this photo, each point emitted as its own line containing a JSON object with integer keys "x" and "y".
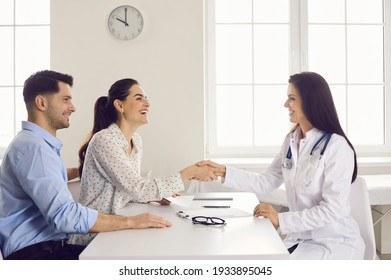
{"x": 72, "y": 173}
{"x": 267, "y": 211}
{"x": 164, "y": 201}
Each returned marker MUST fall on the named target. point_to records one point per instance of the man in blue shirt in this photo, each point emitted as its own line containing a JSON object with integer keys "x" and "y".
{"x": 37, "y": 211}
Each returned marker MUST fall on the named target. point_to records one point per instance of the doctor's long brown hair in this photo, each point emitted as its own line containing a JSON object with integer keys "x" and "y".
{"x": 318, "y": 106}
{"x": 105, "y": 113}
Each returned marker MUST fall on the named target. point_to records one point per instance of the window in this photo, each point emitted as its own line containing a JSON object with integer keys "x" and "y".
{"x": 254, "y": 45}
{"x": 24, "y": 49}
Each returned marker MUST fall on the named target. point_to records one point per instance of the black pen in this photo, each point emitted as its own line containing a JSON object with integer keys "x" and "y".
{"x": 216, "y": 206}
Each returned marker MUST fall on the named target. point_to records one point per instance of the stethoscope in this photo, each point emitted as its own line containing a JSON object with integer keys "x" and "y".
{"x": 287, "y": 164}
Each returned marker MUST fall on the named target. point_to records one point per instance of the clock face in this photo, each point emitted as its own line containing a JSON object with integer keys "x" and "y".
{"x": 125, "y": 22}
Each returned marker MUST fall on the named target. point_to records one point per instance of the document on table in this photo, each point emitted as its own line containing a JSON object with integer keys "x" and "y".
{"x": 181, "y": 200}
{"x": 215, "y": 212}
{"x": 186, "y": 200}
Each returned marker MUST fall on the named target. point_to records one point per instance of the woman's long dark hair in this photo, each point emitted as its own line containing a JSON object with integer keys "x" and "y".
{"x": 318, "y": 106}
{"x": 105, "y": 113}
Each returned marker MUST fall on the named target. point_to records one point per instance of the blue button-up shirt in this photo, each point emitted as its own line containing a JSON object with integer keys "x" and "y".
{"x": 35, "y": 203}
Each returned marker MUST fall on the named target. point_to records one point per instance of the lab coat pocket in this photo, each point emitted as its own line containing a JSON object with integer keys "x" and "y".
{"x": 312, "y": 180}
{"x": 314, "y": 169}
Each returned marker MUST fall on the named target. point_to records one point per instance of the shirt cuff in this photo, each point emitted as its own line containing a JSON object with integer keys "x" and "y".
{"x": 282, "y": 224}
{"x": 226, "y": 181}
{"x": 92, "y": 217}
{"x": 170, "y": 185}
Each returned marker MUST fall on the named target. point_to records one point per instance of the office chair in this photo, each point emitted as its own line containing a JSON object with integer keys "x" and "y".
{"x": 361, "y": 211}
{"x": 74, "y": 187}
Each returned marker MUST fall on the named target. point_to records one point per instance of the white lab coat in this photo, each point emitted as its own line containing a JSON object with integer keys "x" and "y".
{"x": 319, "y": 212}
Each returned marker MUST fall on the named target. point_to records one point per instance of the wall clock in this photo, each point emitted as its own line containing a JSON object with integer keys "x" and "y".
{"x": 125, "y": 22}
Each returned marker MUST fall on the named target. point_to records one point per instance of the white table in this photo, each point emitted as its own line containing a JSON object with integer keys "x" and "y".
{"x": 241, "y": 238}
{"x": 379, "y": 190}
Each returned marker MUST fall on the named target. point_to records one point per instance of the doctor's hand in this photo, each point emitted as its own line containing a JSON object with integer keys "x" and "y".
{"x": 201, "y": 173}
{"x": 267, "y": 211}
{"x": 219, "y": 168}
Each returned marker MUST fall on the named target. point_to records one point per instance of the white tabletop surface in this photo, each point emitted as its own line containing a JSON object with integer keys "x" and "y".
{"x": 379, "y": 188}
{"x": 241, "y": 238}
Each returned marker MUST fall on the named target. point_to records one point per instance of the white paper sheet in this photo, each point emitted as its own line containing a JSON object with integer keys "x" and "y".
{"x": 224, "y": 213}
{"x": 182, "y": 200}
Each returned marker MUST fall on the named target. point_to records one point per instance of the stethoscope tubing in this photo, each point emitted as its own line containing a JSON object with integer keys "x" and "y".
{"x": 287, "y": 164}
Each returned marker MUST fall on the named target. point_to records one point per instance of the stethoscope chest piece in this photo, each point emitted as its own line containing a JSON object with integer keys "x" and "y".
{"x": 287, "y": 164}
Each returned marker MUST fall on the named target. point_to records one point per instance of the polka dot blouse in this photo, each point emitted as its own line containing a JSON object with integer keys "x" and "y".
{"x": 111, "y": 177}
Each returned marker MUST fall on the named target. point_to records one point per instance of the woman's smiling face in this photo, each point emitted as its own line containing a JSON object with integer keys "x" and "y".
{"x": 136, "y": 106}
{"x": 294, "y": 105}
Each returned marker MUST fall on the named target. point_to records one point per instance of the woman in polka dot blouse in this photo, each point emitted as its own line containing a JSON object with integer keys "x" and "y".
{"x": 111, "y": 157}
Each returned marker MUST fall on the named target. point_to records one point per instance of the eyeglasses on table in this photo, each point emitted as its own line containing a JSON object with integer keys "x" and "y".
{"x": 208, "y": 221}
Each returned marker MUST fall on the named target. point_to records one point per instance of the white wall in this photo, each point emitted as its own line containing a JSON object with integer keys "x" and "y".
{"x": 166, "y": 59}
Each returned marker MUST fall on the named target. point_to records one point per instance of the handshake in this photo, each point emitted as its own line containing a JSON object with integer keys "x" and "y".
{"x": 203, "y": 171}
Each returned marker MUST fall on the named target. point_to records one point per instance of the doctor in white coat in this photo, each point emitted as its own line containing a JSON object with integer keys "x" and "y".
{"x": 317, "y": 164}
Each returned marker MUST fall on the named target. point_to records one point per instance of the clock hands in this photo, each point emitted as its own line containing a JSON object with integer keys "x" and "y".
{"x": 126, "y": 20}
{"x": 123, "y": 21}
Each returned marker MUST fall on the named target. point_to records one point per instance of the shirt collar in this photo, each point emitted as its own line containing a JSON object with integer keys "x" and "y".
{"x": 49, "y": 138}
{"x": 114, "y": 128}
{"x": 309, "y": 135}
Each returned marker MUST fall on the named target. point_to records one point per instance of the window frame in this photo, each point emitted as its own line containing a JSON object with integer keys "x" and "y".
{"x": 298, "y": 57}
{"x": 17, "y": 87}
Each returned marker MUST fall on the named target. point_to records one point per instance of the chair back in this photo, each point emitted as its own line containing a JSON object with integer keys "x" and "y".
{"x": 361, "y": 212}
{"x": 74, "y": 187}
